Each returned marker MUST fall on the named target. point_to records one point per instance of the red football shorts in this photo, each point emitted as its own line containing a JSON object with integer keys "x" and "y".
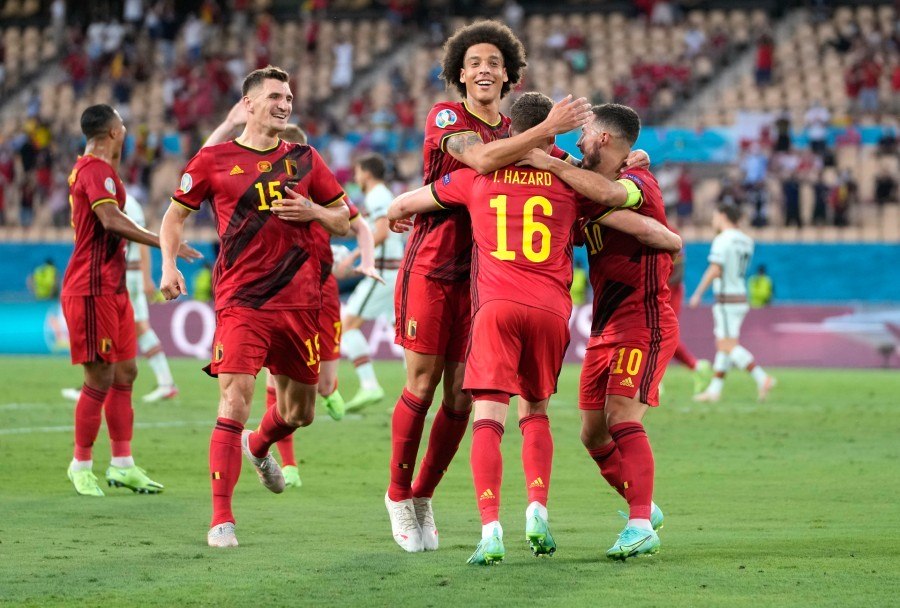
{"x": 432, "y": 317}
{"x": 516, "y": 349}
{"x": 676, "y": 298}
{"x": 101, "y": 328}
{"x": 630, "y": 363}
{"x": 285, "y": 341}
{"x": 330, "y": 321}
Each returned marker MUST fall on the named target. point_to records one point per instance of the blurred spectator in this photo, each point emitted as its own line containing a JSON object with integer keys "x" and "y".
{"x": 790, "y": 190}
{"x": 663, "y": 13}
{"x": 760, "y": 288}
{"x": 201, "y": 287}
{"x": 44, "y": 281}
{"x": 765, "y": 60}
{"x": 869, "y": 73}
{"x": 885, "y": 187}
{"x": 342, "y": 74}
{"x": 685, "y": 207}
{"x": 816, "y": 122}
{"x": 513, "y": 14}
{"x": 783, "y": 133}
{"x": 844, "y": 196}
{"x": 821, "y": 194}
{"x": 755, "y": 166}
{"x": 694, "y": 40}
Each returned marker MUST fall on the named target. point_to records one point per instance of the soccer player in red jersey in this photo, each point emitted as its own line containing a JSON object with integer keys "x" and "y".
{"x": 634, "y": 331}
{"x": 701, "y": 368}
{"x": 266, "y": 193}
{"x": 522, "y": 221}
{"x": 96, "y": 306}
{"x": 329, "y": 315}
{"x": 432, "y": 303}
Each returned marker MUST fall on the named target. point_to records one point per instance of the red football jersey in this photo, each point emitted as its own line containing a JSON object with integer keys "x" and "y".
{"x": 628, "y": 278}
{"x": 264, "y": 262}
{"x": 323, "y": 243}
{"x": 440, "y": 245}
{"x": 97, "y": 265}
{"x": 522, "y": 221}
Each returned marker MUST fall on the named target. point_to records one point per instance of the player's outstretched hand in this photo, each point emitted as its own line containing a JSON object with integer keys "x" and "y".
{"x": 369, "y": 271}
{"x": 186, "y": 252}
{"x": 694, "y": 302}
{"x": 637, "y": 159}
{"x": 294, "y": 207}
{"x": 568, "y": 114}
{"x": 172, "y": 283}
{"x": 401, "y": 226}
{"x": 536, "y": 158}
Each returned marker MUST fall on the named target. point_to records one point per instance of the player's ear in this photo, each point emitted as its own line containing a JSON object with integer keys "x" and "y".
{"x": 505, "y": 76}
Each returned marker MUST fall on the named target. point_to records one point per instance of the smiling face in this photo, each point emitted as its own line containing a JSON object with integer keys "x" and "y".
{"x": 483, "y": 73}
{"x": 269, "y": 105}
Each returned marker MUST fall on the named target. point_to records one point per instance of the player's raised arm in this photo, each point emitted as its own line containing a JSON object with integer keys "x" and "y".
{"x": 469, "y": 149}
{"x": 713, "y": 272}
{"x": 172, "y": 283}
{"x": 117, "y": 222}
{"x": 592, "y": 185}
{"x": 236, "y": 118}
{"x": 645, "y": 229}
{"x": 366, "y": 248}
{"x": 420, "y": 200}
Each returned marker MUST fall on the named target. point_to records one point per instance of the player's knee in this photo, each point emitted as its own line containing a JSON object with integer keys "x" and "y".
{"x": 422, "y": 385}
{"x": 299, "y": 417}
{"x": 458, "y": 401}
{"x": 125, "y": 372}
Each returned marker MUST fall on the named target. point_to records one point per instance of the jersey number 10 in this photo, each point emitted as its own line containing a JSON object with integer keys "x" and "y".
{"x": 530, "y": 227}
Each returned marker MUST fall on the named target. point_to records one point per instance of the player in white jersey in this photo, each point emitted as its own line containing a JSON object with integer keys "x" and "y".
{"x": 371, "y": 299}
{"x": 729, "y": 259}
{"x": 141, "y": 286}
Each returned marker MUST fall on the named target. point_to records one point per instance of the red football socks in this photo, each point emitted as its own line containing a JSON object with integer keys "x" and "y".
{"x": 487, "y": 467}
{"x": 608, "y": 459}
{"x": 447, "y": 431}
{"x": 285, "y": 446}
{"x": 636, "y": 465}
{"x": 88, "y": 414}
{"x": 537, "y": 456}
{"x": 407, "y": 424}
{"x": 224, "y": 467}
{"x": 119, "y": 419}
{"x": 685, "y": 356}
{"x": 272, "y": 429}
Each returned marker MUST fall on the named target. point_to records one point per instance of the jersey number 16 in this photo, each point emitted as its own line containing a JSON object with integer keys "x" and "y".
{"x": 530, "y": 227}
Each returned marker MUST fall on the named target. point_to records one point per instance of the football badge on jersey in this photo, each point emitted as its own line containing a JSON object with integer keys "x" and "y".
{"x": 445, "y": 118}
{"x": 105, "y": 346}
{"x": 218, "y": 352}
{"x": 264, "y": 166}
{"x": 110, "y": 185}
{"x": 187, "y": 182}
{"x": 290, "y": 167}
{"x": 411, "y": 329}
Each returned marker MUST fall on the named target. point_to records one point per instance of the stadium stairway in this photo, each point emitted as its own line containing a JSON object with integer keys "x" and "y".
{"x": 699, "y": 105}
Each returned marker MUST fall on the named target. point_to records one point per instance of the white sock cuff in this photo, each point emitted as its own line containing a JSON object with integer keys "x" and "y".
{"x": 722, "y": 362}
{"x": 741, "y": 357}
{"x": 354, "y": 345}
{"x": 147, "y": 341}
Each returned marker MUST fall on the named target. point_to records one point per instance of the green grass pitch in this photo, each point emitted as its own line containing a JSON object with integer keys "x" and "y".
{"x": 792, "y": 503}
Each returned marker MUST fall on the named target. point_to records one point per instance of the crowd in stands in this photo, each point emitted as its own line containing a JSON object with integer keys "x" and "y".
{"x": 173, "y": 77}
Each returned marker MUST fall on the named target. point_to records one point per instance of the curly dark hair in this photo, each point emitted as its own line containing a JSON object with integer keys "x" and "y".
{"x": 483, "y": 32}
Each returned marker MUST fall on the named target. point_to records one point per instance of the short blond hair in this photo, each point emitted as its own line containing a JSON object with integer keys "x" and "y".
{"x": 294, "y": 134}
